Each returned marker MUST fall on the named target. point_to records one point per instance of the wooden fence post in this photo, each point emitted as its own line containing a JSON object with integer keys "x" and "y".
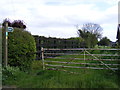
{"x": 84, "y": 59}
{"x": 42, "y": 52}
{"x": 84, "y": 55}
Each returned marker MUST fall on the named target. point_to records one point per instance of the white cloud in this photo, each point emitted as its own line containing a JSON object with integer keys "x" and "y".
{"x": 57, "y": 18}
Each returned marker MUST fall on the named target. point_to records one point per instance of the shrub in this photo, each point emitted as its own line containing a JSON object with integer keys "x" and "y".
{"x": 20, "y": 44}
{"x": 9, "y": 73}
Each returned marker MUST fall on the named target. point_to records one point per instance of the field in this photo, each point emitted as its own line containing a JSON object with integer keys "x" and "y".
{"x": 39, "y": 78}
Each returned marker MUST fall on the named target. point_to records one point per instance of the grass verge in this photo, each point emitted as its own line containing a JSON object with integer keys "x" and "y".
{"x": 57, "y": 79}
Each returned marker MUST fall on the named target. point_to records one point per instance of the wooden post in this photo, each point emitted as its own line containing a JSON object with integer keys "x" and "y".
{"x": 42, "y": 52}
{"x": 5, "y": 44}
{"x": 84, "y": 59}
{"x": 84, "y": 55}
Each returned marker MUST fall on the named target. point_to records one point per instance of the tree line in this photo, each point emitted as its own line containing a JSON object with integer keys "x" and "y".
{"x": 21, "y": 43}
{"x": 88, "y": 35}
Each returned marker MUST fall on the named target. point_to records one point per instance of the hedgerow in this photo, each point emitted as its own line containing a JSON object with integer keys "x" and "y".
{"x": 20, "y": 44}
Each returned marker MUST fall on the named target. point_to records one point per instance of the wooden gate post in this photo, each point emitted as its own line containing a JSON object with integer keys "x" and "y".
{"x": 42, "y": 52}
{"x": 84, "y": 55}
{"x": 5, "y": 44}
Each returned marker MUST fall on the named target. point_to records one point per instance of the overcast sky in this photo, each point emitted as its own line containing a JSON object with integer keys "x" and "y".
{"x": 57, "y": 18}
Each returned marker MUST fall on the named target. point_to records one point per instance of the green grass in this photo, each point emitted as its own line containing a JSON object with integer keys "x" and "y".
{"x": 38, "y": 78}
{"x": 58, "y": 79}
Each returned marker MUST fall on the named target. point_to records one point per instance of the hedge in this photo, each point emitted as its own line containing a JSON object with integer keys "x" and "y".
{"x": 20, "y": 44}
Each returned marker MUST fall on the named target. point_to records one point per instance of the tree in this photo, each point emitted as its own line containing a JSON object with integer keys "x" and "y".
{"x": 8, "y": 21}
{"x": 93, "y": 29}
{"x": 104, "y": 41}
{"x": 89, "y": 39}
{"x": 18, "y": 24}
{"x": 118, "y": 34}
{"x": 15, "y": 23}
{"x": 90, "y": 32}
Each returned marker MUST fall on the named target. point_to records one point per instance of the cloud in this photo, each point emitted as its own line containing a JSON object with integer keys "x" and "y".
{"x": 58, "y": 18}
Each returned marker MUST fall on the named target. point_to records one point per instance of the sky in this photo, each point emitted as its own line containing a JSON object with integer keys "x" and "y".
{"x": 58, "y": 18}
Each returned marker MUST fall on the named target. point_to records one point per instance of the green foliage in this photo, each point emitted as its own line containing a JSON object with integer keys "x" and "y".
{"x": 104, "y": 41}
{"x": 9, "y": 73}
{"x": 20, "y": 44}
{"x": 59, "y": 79}
{"x": 78, "y": 41}
{"x": 90, "y": 33}
{"x": 76, "y": 38}
{"x": 90, "y": 39}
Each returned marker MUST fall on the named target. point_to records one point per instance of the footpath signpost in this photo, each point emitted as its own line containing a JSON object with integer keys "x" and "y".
{"x": 6, "y": 30}
{"x": 10, "y": 29}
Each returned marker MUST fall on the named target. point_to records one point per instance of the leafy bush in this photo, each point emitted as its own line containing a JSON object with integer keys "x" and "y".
{"x": 9, "y": 73}
{"x": 20, "y": 45}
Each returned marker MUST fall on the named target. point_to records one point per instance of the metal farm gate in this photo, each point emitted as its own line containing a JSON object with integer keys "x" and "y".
{"x": 80, "y": 58}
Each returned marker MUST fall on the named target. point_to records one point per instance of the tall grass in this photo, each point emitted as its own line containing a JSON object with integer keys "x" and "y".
{"x": 58, "y": 79}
